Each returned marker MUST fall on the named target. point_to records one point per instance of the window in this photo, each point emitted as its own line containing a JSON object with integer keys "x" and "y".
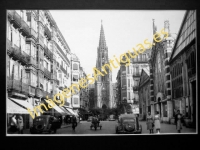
{"x": 123, "y": 82}
{"x": 75, "y": 78}
{"x": 75, "y": 67}
{"x": 33, "y": 79}
{"x": 23, "y": 43}
{"x": 28, "y": 48}
{"x": 128, "y": 69}
{"x": 75, "y": 100}
{"x": 137, "y": 70}
{"x": 24, "y": 76}
{"x": 128, "y": 82}
{"x": 47, "y": 86}
{"x": 16, "y": 72}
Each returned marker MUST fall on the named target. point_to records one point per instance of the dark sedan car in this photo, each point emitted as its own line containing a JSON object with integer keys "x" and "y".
{"x": 45, "y": 123}
{"x": 128, "y": 123}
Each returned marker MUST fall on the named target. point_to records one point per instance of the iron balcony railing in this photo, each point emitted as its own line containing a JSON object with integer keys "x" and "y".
{"x": 13, "y": 84}
{"x": 15, "y": 18}
{"x": 40, "y": 67}
{"x": 63, "y": 54}
{"x": 47, "y": 73}
{"x": 33, "y": 34}
{"x": 64, "y": 71}
{"x": 46, "y": 51}
{"x": 41, "y": 40}
{"x": 32, "y": 61}
{"x": 47, "y": 32}
{"x": 9, "y": 47}
{"x": 25, "y": 28}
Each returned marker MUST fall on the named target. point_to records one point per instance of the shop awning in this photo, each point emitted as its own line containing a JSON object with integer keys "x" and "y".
{"x": 23, "y": 103}
{"x": 66, "y": 112}
{"x": 71, "y": 111}
{"x": 13, "y": 108}
{"x": 57, "y": 108}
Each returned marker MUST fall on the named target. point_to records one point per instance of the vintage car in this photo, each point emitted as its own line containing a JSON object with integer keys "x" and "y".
{"x": 128, "y": 123}
{"x": 44, "y": 123}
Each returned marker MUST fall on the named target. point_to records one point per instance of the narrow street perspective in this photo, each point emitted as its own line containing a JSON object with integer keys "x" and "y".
{"x": 101, "y": 72}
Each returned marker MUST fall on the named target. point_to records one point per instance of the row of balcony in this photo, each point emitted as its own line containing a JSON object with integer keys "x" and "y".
{"x": 18, "y": 85}
{"x": 48, "y": 53}
{"x": 47, "y": 32}
{"x": 64, "y": 71}
{"x": 62, "y": 53}
{"x": 47, "y": 73}
{"x": 18, "y": 22}
{"x": 17, "y": 54}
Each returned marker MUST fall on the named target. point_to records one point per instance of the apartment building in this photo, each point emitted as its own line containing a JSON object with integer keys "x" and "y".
{"x": 37, "y": 61}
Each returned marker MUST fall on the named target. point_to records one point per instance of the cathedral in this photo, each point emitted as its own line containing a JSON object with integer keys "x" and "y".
{"x": 103, "y": 84}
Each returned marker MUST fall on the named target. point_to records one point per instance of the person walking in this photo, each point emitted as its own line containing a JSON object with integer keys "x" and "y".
{"x": 74, "y": 122}
{"x": 178, "y": 121}
{"x": 13, "y": 125}
{"x": 20, "y": 124}
{"x": 150, "y": 123}
{"x": 157, "y": 122}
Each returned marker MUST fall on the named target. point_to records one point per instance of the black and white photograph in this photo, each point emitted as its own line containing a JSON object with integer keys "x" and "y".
{"x": 101, "y": 72}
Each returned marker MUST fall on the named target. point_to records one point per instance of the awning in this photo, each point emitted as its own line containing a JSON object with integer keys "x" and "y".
{"x": 58, "y": 109}
{"x": 71, "y": 111}
{"x": 23, "y": 103}
{"x": 13, "y": 108}
{"x": 66, "y": 112}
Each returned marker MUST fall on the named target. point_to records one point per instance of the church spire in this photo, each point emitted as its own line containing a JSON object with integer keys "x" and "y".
{"x": 102, "y": 41}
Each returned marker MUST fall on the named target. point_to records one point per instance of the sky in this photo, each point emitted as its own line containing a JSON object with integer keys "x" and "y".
{"x": 123, "y": 29}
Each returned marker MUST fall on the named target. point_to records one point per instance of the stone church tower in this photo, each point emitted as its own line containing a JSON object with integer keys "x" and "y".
{"x": 103, "y": 85}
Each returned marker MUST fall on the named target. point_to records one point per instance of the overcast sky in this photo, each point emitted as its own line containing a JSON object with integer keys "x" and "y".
{"x": 123, "y": 29}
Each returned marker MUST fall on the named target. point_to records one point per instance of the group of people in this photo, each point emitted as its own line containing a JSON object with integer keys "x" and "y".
{"x": 17, "y": 124}
{"x": 155, "y": 122}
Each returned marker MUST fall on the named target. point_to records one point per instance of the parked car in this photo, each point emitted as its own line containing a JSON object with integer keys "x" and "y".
{"x": 89, "y": 119}
{"x": 45, "y": 123}
{"x": 128, "y": 123}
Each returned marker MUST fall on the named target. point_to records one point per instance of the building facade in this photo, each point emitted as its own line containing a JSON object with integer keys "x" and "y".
{"x": 75, "y": 76}
{"x": 144, "y": 93}
{"x": 183, "y": 70}
{"x": 103, "y": 84}
{"x": 34, "y": 47}
{"x": 160, "y": 75}
{"x": 129, "y": 78}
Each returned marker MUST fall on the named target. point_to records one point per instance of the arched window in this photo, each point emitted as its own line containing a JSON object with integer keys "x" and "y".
{"x": 75, "y": 67}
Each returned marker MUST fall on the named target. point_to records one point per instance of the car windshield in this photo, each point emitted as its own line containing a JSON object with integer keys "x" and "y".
{"x": 128, "y": 120}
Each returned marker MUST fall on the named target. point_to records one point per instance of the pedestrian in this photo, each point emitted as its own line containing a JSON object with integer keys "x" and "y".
{"x": 74, "y": 122}
{"x": 178, "y": 121}
{"x": 157, "y": 122}
{"x": 20, "y": 124}
{"x": 13, "y": 125}
{"x": 150, "y": 123}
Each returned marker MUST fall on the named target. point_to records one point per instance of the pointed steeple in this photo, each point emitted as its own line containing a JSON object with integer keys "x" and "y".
{"x": 102, "y": 41}
{"x": 154, "y": 27}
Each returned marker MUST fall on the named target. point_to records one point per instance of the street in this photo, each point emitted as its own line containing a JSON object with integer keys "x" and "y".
{"x": 108, "y": 127}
